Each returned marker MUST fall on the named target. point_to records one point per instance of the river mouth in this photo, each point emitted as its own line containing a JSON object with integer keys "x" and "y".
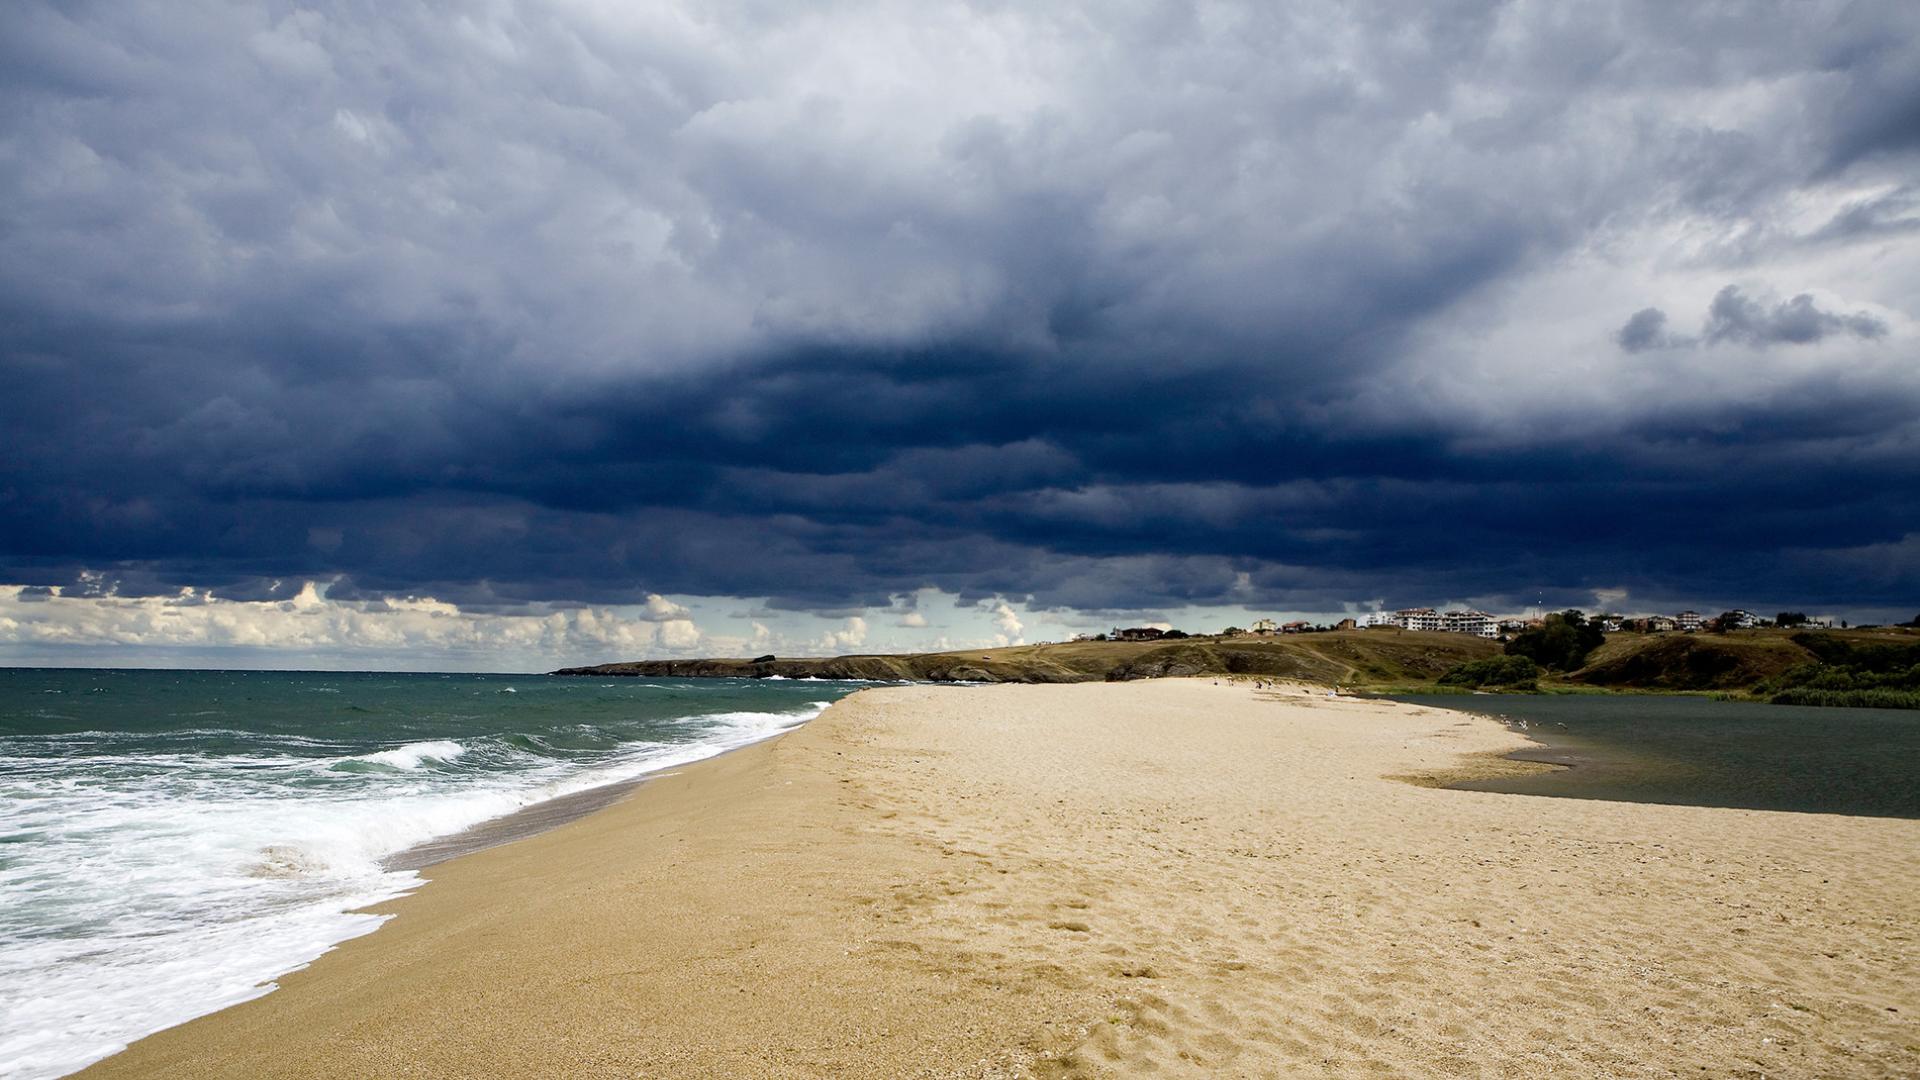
{"x": 1699, "y": 752}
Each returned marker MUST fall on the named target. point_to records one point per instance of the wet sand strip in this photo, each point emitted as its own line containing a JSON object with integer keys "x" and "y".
{"x": 522, "y": 823}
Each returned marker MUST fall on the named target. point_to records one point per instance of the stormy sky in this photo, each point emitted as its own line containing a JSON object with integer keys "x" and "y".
{"x": 669, "y": 328}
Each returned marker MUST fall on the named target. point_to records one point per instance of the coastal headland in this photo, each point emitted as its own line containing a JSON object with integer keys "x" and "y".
{"x": 1174, "y": 878}
{"x": 1740, "y": 663}
{"x": 1339, "y": 657}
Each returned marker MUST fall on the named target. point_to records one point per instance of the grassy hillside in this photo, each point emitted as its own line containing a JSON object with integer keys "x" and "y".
{"x": 1759, "y": 662}
{"x": 1730, "y": 661}
{"x": 1343, "y": 657}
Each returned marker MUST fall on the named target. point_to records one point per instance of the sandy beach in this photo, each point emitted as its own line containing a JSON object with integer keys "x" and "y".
{"x": 1167, "y": 878}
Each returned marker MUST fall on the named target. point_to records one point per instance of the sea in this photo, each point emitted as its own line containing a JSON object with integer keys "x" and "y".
{"x": 173, "y": 841}
{"x": 1701, "y": 752}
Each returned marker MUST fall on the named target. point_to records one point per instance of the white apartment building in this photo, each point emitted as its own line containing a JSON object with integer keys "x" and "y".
{"x": 1419, "y": 618}
{"x": 1477, "y": 623}
{"x": 1688, "y": 621}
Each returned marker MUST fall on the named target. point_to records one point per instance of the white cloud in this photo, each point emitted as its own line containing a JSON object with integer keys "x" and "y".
{"x": 1007, "y": 622}
{"x": 660, "y": 609}
{"x": 849, "y": 637}
{"x": 677, "y": 635}
{"x": 310, "y": 625}
{"x": 311, "y": 629}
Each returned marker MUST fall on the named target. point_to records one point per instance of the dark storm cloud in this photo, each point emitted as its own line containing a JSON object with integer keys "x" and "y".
{"x": 1645, "y": 329}
{"x": 1745, "y": 320}
{"x": 1740, "y": 318}
{"x": 547, "y": 304}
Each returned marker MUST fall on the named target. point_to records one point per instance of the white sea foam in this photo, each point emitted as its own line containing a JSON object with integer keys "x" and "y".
{"x": 214, "y": 876}
{"x": 413, "y": 755}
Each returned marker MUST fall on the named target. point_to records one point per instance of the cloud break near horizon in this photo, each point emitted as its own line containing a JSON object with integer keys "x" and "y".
{"x": 516, "y": 334}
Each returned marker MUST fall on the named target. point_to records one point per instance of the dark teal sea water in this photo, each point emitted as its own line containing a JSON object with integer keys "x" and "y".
{"x": 170, "y": 841}
{"x": 1697, "y": 751}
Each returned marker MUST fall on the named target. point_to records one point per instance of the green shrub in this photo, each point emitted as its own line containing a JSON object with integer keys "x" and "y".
{"x": 1875, "y": 698}
{"x": 1514, "y": 672}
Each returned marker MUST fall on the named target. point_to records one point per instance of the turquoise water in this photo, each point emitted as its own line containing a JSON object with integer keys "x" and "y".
{"x": 171, "y": 841}
{"x": 1696, "y": 751}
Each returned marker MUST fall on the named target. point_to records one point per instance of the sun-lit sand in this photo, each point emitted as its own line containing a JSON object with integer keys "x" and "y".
{"x": 1169, "y": 878}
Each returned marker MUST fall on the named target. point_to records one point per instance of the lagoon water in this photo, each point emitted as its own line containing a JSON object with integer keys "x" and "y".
{"x": 1697, "y": 751}
{"x": 170, "y": 842}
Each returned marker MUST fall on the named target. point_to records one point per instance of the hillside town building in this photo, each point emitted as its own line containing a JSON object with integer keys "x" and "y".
{"x": 1481, "y": 624}
{"x": 1424, "y": 618}
{"x": 1477, "y": 623}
